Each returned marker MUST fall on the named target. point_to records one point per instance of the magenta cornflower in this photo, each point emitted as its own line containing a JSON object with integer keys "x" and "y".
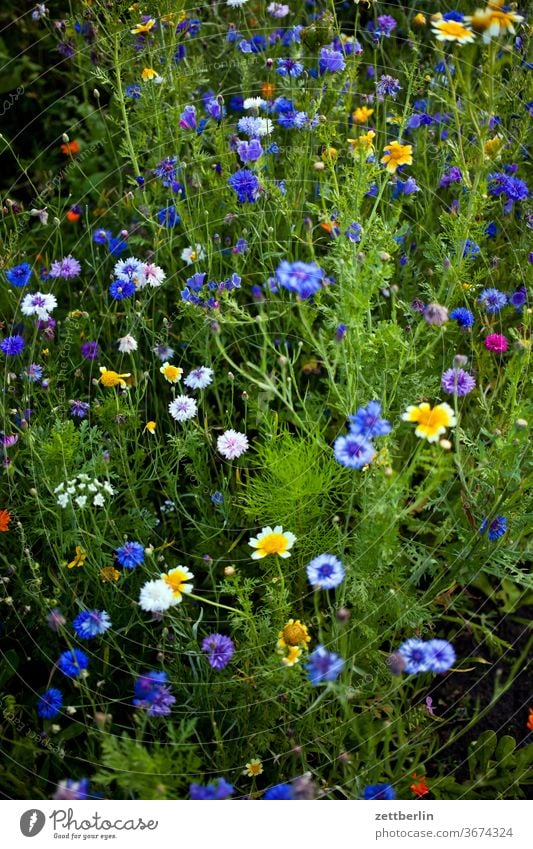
{"x": 496, "y": 342}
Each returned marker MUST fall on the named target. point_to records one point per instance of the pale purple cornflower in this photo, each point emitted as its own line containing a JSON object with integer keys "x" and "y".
{"x": 232, "y": 444}
{"x": 199, "y": 378}
{"x": 67, "y": 268}
{"x": 219, "y": 650}
{"x": 458, "y": 382}
{"x": 182, "y": 408}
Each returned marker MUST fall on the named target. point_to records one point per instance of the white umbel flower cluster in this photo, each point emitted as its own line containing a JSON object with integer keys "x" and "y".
{"x": 83, "y": 490}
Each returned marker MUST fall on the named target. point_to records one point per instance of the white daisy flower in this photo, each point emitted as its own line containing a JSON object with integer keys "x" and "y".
{"x": 190, "y": 255}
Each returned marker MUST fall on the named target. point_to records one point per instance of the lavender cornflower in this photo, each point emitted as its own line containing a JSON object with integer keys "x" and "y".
{"x": 331, "y": 61}
{"x": 67, "y": 268}
{"x": 493, "y": 300}
{"x": 353, "y": 451}
{"x": 152, "y": 694}
{"x": 387, "y": 85}
{"x": 90, "y": 350}
{"x": 188, "y": 118}
{"x": 453, "y": 175}
{"x": 79, "y": 409}
{"x": 249, "y": 151}
{"x": 436, "y": 314}
{"x": 219, "y": 650}
{"x": 302, "y": 278}
{"x": 458, "y": 382}
{"x": 55, "y": 619}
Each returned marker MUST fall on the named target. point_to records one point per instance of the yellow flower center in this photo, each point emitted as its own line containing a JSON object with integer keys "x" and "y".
{"x": 454, "y": 29}
{"x": 172, "y": 373}
{"x": 176, "y": 579}
{"x": 193, "y": 256}
{"x": 295, "y": 633}
{"x": 273, "y": 544}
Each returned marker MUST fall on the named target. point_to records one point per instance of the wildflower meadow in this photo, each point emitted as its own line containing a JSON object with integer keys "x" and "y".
{"x": 265, "y": 314}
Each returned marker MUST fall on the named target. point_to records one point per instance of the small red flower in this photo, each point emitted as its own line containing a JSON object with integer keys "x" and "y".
{"x": 419, "y": 787}
{"x": 70, "y": 148}
{"x": 5, "y": 518}
{"x": 529, "y": 723}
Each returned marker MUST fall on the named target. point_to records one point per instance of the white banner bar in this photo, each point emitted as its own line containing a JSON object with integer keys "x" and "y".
{"x": 357, "y": 824}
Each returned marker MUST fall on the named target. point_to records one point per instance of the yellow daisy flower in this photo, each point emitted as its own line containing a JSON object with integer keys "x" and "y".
{"x": 292, "y": 657}
{"x": 108, "y": 574}
{"x": 396, "y": 154}
{"x": 494, "y": 21}
{"x": 253, "y": 767}
{"x": 112, "y": 378}
{"x": 171, "y": 373}
{"x": 291, "y": 641}
{"x": 364, "y": 143}
{"x": 177, "y": 580}
{"x": 141, "y": 28}
{"x": 272, "y": 541}
{"x": 452, "y": 31}
{"x": 150, "y": 426}
{"x": 432, "y": 422}
{"x": 419, "y": 20}
{"x": 148, "y": 74}
{"x": 492, "y": 147}
{"x": 362, "y": 114}
{"x": 79, "y": 558}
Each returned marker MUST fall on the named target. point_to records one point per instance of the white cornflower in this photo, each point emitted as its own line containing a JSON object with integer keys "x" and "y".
{"x": 129, "y": 269}
{"x": 39, "y": 304}
{"x": 127, "y": 344}
{"x": 232, "y": 444}
{"x": 235, "y": 4}
{"x": 156, "y": 596}
{"x": 199, "y": 378}
{"x": 182, "y": 408}
{"x": 255, "y": 103}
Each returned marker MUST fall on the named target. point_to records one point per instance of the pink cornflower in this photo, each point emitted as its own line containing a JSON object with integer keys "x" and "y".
{"x": 497, "y": 343}
{"x": 232, "y": 444}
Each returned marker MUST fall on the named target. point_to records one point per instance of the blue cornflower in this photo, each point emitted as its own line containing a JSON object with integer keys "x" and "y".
{"x": 519, "y": 298}
{"x": 280, "y": 793}
{"x": 253, "y": 127}
{"x": 73, "y": 662}
{"x": 493, "y": 300}
{"x": 217, "y": 498}
{"x": 50, "y": 703}
{"x": 340, "y": 332}
{"x": 379, "y": 792}
{"x": 117, "y": 245}
{"x": 19, "y": 275}
{"x": 353, "y": 451}
{"x": 289, "y": 67}
{"x": 497, "y": 527}
{"x": 302, "y": 278}
{"x": 440, "y": 655}
{"x": 323, "y": 666}
{"x": 512, "y": 188}
{"x": 101, "y": 237}
{"x": 453, "y": 15}
{"x": 405, "y": 187}
{"x": 91, "y": 623}
{"x": 413, "y": 652}
{"x": 462, "y": 316}
{"x": 353, "y": 232}
{"x": 221, "y": 789}
{"x": 133, "y": 90}
{"x": 12, "y": 346}
{"x": 130, "y": 555}
{"x": 470, "y": 249}
{"x": 34, "y": 372}
{"x": 121, "y": 289}
{"x": 331, "y": 61}
{"x": 188, "y": 118}
{"x": 168, "y": 216}
{"x": 325, "y": 571}
{"x": 367, "y": 421}
{"x": 246, "y": 185}
{"x": 71, "y": 790}
{"x": 152, "y": 694}
{"x": 166, "y": 170}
